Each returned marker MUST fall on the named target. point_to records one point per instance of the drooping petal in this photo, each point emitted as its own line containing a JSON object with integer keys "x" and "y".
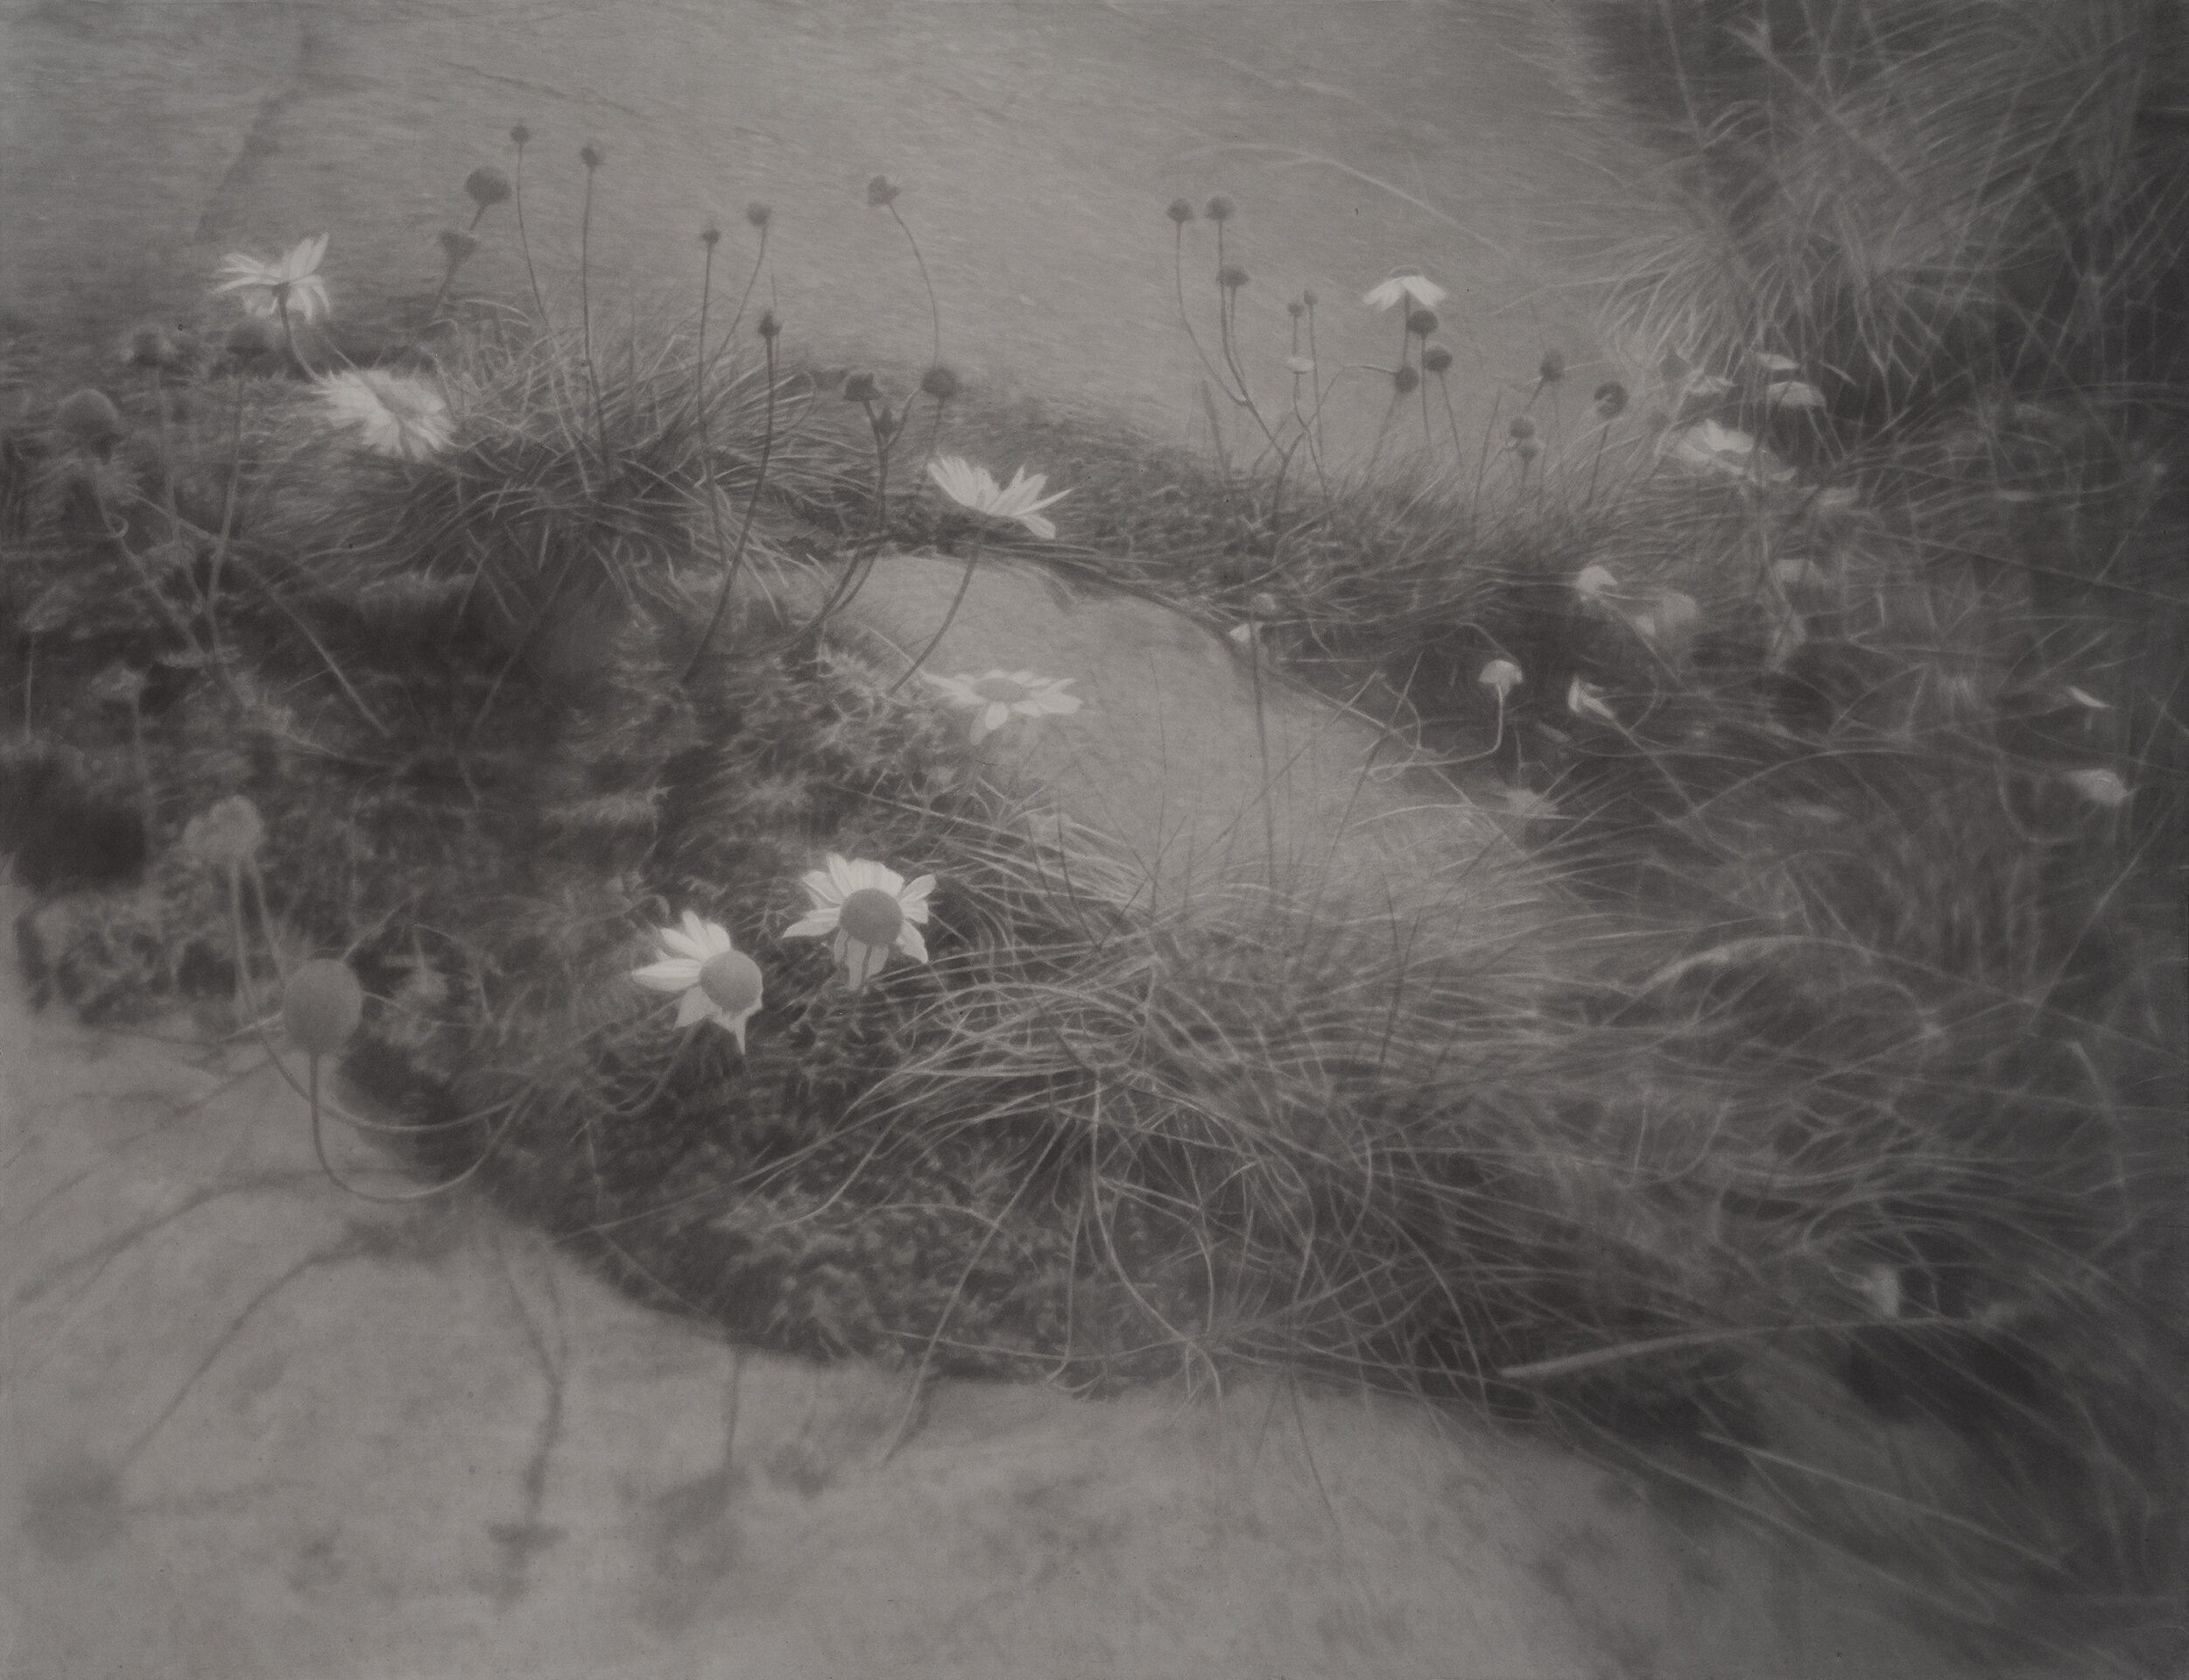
{"x": 671, "y": 974}
{"x": 993, "y": 717}
{"x": 813, "y": 926}
{"x": 909, "y": 942}
{"x": 862, "y": 962}
{"x": 694, "y": 1006}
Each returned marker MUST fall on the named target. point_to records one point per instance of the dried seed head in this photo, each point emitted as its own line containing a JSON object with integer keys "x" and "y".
{"x": 884, "y": 424}
{"x": 1610, "y": 399}
{"x": 1522, "y": 429}
{"x": 89, "y": 419}
{"x": 150, "y": 345}
{"x": 1179, "y": 211}
{"x": 252, "y": 338}
{"x": 881, "y": 191}
{"x": 1231, "y": 276}
{"x": 487, "y": 187}
{"x": 1551, "y": 368}
{"x": 457, "y": 248}
{"x": 1406, "y": 379}
{"x": 226, "y": 833}
{"x": 322, "y": 1006}
{"x": 522, "y": 135}
{"x": 1296, "y": 309}
{"x": 1422, "y": 322}
{"x": 770, "y": 328}
{"x": 939, "y": 384}
{"x": 592, "y": 155}
{"x": 757, "y": 214}
{"x": 1219, "y": 208}
{"x": 859, "y": 388}
{"x": 1435, "y": 358}
{"x": 1528, "y": 449}
{"x": 710, "y": 235}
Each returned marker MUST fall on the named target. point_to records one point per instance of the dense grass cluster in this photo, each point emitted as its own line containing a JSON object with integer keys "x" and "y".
{"x": 1846, "y": 1058}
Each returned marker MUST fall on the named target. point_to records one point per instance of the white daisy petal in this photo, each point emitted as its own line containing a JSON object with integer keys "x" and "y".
{"x": 913, "y": 899}
{"x": 673, "y": 975}
{"x": 981, "y": 730}
{"x": 812, "y": 926}
{"x": 677, "y": 943}
{"x": 909, "y": 942}
{"x": 862, "y": 962}
{"x": 694, "y": 1006}
{"x": 823, "y": 886}
{"x": 844, "y": 872}
{"x": 994, "y": 717}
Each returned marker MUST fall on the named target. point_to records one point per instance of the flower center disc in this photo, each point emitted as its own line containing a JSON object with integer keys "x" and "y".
{"x": 730, "y": 981}
{"x": 871, "y": 916}
{"x": 1003, "y": 689}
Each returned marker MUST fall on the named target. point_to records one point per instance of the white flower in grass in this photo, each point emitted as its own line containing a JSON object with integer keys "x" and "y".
{"x": 1792, "y": 393}
{"x": 1586, "y": 700}
{"x": 1772, "y": 363}
{"x": 1000, "y": 696}
{"x": 720, "y": 982}
{"x": 400, "y": 416}
{"x": 976, "y": 490}
{"x": 1501, "y": 675}
{"x": 2100, "y": 787}
{"x": 2085, "y": 698}
{"x": 870, "y": 909}
{"x": 1592, "y": 583}
{"x": 292, "y": 277}
{"x": 1407, "y": 286}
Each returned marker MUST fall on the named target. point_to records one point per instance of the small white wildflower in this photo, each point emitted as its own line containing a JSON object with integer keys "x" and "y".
{"x": 870, "y": 909}
{"x": 1501, "y": 675}
{"x": 1793, "y": 393}
{"x": 976, "y": 490}
{"x": 1592, "y": 583}
{"x": 995, "y": 699}
{"x": 719, "y": 982}
{"x": 1406, "y": 286}
{"x": 2100, "y": 787}
{"x": 1585, "y": 700}
{"x": 399, "y": 416}
{"x": 293, "y": 279}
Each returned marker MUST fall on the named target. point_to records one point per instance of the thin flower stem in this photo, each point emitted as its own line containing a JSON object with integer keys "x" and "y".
{"x": 227, "y": 527}
{"x": 525, "y": 244}
{"x": 729, "y": 571}
{"x": 1177, "y": 272}
{"x": 751, "y": 280}
{"x": 698, "y": 360}
{"x": 288, "y": 330}
{"x": 1262, "y": 736}
{"x": 585, "y": 318}
{"x": 935, "y": 313}
{"x": 956, "y": 601}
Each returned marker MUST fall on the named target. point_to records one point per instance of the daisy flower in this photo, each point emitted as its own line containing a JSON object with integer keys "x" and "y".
{"x": 998, "y": 697}
{"x": 720, "y": 982}
{"x": 293, "y": 278}
{"x": 976, "y": 490}
{"x": 401, "y": 417}
{"x": 869, "y": 908}
{"x": 1407, "y": 286}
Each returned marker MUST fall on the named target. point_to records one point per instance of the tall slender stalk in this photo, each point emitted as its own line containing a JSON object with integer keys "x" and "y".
{"x": 520, "y": 134}
{"x": 957, "y": 600}
{"x": 592, "y": 157}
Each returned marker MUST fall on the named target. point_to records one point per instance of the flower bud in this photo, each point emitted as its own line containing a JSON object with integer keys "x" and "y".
{"x": 757, "y": 214}
{"x": 884, "y": 423}
{"x": 456, "y": 247}
{"x": 151, "y": 345}
{"x": 1528, "y": 449}
{"x": 1219, "y": 208}
{"x": 1501, "y": 675}
{"x": 592, "y": 155}
{"x": 768, "y": 326}
{"x": 1435, "y": 358}
{"x": 881, "y": 191}
{"x": 1551, "y": 368}
{"x": 487, "y": 187}
{"x": 226, "y": 834}
{"x": 1610, "y": 399}
{"x": 939, "y": 384}
{"x": 521, "y": 135}
{"x": 1406, "y": 379}
{"x": 322, "y": 1006}
{"x": 1231, "y": 276}
{"x": 1522, "y": 429}
{"x": 710, "y": 235}
{"x": 859, "y": 388}
{"x": 89, "y": 419}
{"x": 1179, "y": 211}
{"x": 1422, "y": 322}
{"x": 1296, "y": 309}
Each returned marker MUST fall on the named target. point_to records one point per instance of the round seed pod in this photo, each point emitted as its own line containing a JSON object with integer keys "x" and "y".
{"x": 322, "y": 1006}
{"x": 487, "y": 187}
